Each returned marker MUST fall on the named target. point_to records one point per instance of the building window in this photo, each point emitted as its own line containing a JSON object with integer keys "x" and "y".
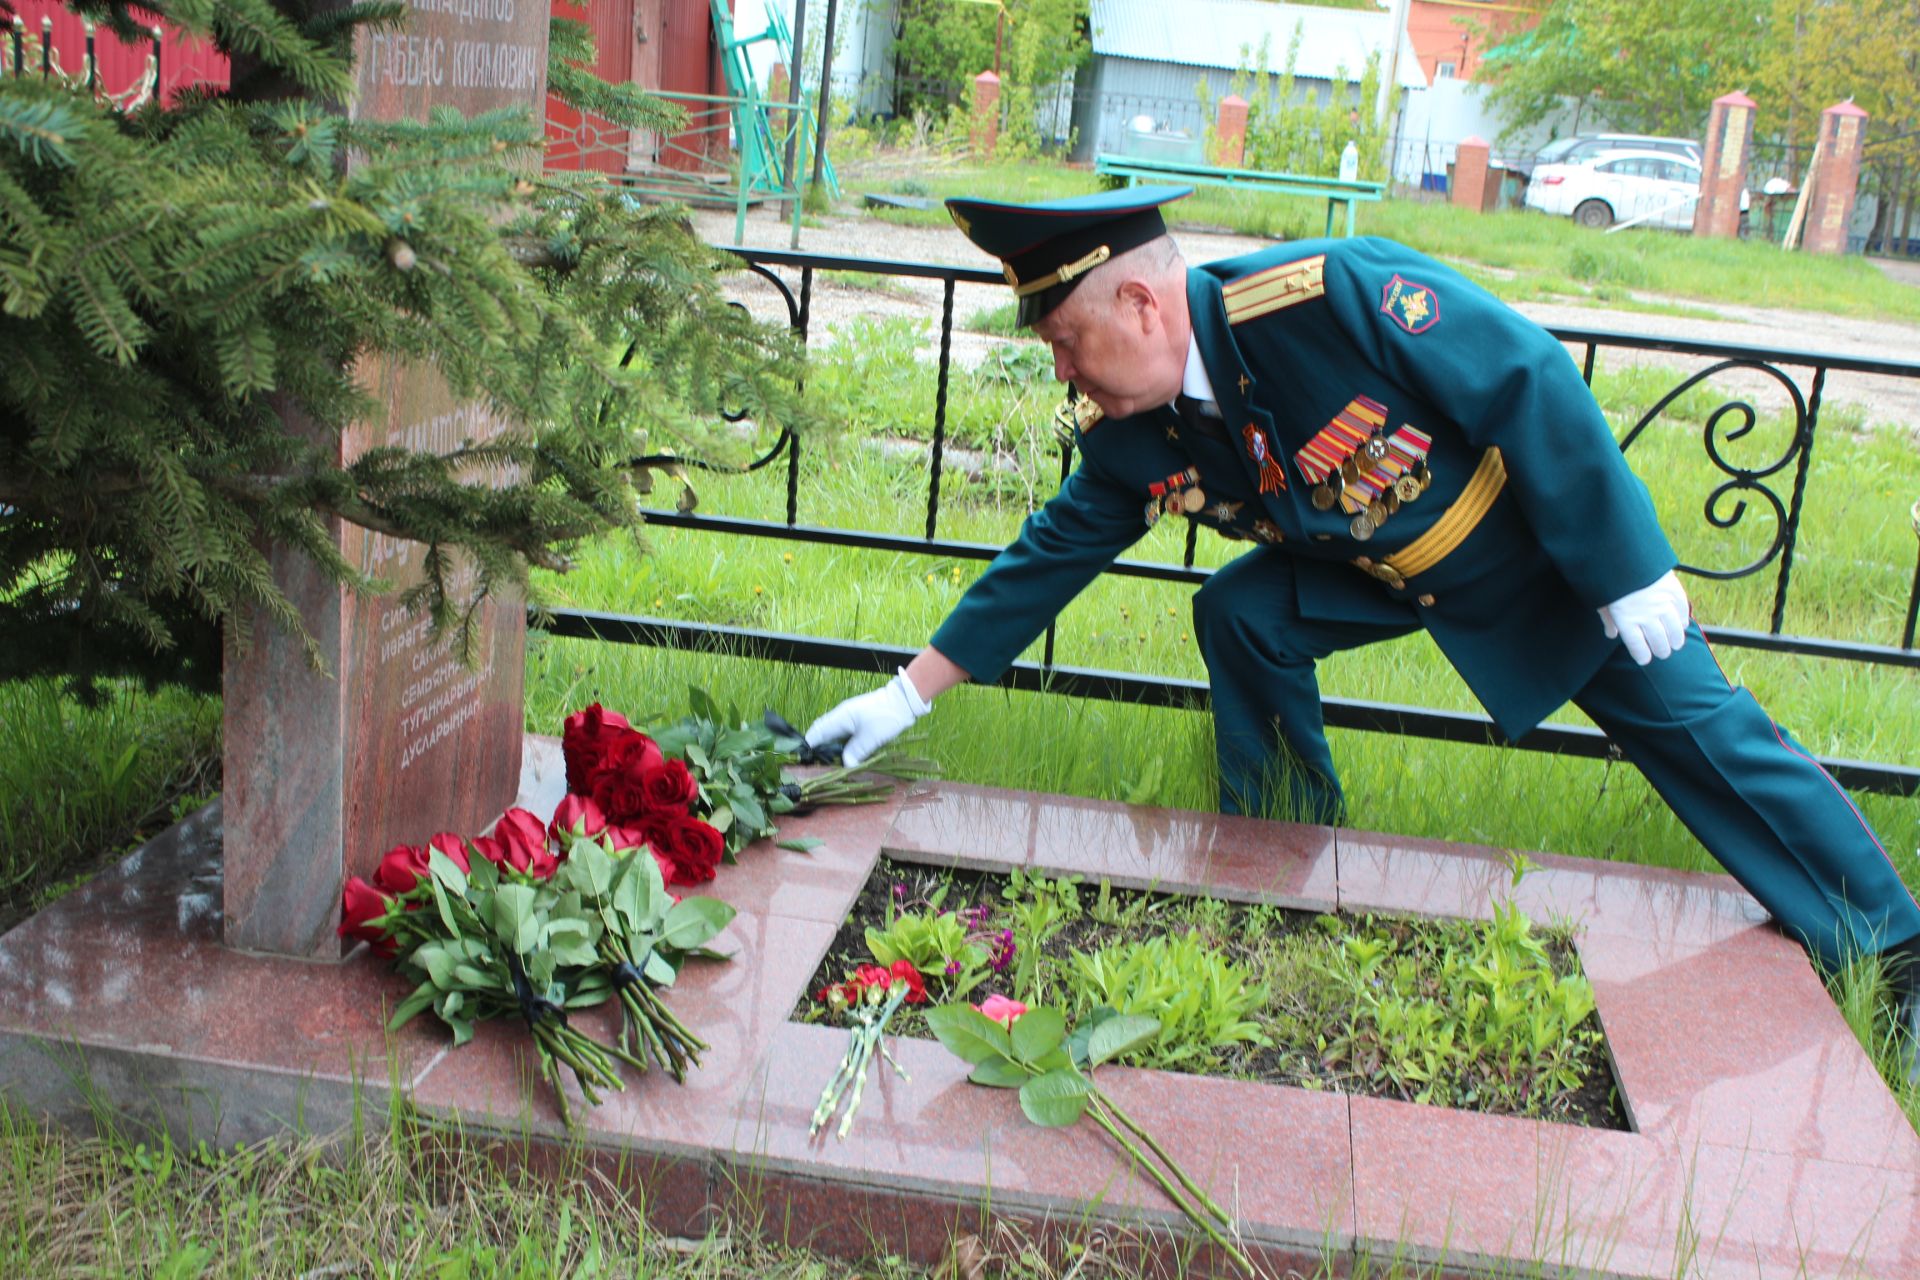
{"x": 1445, "y": 71}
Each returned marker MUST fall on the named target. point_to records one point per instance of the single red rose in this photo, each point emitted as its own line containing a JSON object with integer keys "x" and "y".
{"x": 905, "y": 971}
{"x": 513, "y": 855}
{"x": 669, "y": 785}
{"x": 361, "y": 908}
{"x": 451, "y": 845}
{"x": 618, "y": 783}
{"x": 584, "y": 737}
{"x": 691, "y": 847}
{"x": 629, "y": 835}
{"x": 521, "y": 829}
{"x": 493, "y": 849}
{"x": 405, "y": 865}
{"x": 577, "y": 816}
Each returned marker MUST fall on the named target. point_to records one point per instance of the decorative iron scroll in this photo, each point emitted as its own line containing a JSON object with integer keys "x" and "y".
{"x": 782, "y": 443}
{"x": 1743, "y": 483}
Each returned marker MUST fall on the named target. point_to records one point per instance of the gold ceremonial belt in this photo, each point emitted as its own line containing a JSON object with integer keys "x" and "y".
{"x": 1460, "y": 519}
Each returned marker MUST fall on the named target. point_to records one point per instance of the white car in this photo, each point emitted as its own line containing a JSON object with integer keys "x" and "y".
{"x": 1648, "y": 187}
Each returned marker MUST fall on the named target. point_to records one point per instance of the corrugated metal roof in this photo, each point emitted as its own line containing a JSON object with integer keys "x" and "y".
{"x": 1210, "y": 33}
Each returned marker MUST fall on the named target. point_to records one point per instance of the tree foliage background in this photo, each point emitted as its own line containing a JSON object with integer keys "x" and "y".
{"x": 941, "y": 45}
{"x": 1628, "y": 65}
{"x": 1645, "y": 68}
{"x": 181, "y": 283}
{"x": 1288, "y": 133}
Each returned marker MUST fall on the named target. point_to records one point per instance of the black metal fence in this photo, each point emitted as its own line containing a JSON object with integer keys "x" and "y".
{"x": 1777, "y": 485}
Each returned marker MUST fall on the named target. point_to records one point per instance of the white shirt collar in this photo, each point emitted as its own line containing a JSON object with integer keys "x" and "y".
{"x": 1195, "y": 382}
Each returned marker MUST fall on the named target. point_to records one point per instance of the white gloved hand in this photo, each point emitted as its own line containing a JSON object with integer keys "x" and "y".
{"x": 870, "y": 721}
{"x": 1651, "y": 622}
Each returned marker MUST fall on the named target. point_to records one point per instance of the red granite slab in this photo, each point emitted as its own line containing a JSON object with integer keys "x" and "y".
{"x": 956, "y": 824}
{"x": 126, "y": 980}
{"x": 1764, "y": 1143}
{"x": 1173, "y": 850}
{"x": 1445, "y": 1186}
{"x": 1277, "y": 1158}
{"x": 736, "y": 1006}
{"x": 1738, "y": 1043}
{"x": 1417, "y": 876}
{"x": 1599, "y": 1203}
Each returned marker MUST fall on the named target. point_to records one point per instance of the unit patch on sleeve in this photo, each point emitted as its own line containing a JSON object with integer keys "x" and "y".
{"x": 1412, "y": 306}
{"x": 1275, "y": 289}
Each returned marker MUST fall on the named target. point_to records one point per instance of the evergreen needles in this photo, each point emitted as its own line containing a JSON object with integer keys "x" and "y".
{"x": 203, "y": 302}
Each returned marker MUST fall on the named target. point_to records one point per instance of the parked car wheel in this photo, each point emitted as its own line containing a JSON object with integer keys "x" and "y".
{"x": 1594, "y": 213}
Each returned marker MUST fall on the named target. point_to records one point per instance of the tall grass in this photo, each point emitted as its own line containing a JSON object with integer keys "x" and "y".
{"x": 77, "y": 782}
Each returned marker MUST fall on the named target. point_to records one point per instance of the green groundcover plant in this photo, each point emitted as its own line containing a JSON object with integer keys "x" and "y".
{"x": 1492, "y": 1015}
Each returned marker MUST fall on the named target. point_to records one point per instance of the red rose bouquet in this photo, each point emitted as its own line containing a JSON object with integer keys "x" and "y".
{"x": 538, "y": 921}
{"x": 636, "y": 793}
{"x": 722, "y": 772}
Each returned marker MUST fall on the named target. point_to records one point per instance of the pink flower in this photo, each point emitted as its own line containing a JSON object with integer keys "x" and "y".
{"x": 1001, "y": 1010}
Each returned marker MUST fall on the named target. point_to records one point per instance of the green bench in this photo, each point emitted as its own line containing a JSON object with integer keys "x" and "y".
{"x": 1335, "y": 191}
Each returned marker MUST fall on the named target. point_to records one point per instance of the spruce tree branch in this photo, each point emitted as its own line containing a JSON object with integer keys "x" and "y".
{"x": 255, "y": 490}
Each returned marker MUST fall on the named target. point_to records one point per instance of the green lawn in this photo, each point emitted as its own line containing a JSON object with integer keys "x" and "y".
{"x": 1551, "y": 256}
{"x": 1850, "y": 581}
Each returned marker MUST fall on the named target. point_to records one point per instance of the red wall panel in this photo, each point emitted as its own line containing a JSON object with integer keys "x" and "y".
{"x": 183, "y": 61}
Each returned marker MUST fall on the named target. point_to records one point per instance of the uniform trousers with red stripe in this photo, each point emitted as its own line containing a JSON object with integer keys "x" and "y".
{"x": 1750, "y": 793}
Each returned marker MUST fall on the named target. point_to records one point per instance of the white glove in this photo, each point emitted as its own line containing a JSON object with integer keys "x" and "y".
{"x": 870, "y": 721}
{"x": 1652, "y": 621}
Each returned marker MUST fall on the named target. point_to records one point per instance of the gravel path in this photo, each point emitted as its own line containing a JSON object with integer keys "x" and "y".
{"x": 1882, "y": 401}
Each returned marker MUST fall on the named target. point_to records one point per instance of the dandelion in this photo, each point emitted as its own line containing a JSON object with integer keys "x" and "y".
{"x": 758, "y": 589}
{"x": 788, "y": 557}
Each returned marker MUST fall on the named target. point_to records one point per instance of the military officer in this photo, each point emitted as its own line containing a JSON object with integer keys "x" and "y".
{"x": 1409, "y": 453}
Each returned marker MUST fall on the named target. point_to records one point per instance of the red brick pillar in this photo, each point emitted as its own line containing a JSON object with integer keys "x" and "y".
{"x": 1836, "y": 178}
{"x": 1723, "y": 173}
{"x": 986, "y": 114}
{"x": 1469, "y": 186}
{"x": 1230, "y": 132}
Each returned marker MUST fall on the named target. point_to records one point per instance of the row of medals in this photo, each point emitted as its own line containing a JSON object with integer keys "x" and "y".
{"x": 1364, "y": 461}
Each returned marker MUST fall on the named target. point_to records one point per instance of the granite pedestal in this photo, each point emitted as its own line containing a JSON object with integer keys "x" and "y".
{"x": 1763, "y": 1144}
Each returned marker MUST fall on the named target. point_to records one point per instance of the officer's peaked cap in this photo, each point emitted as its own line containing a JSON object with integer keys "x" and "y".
{"x": 1046, "y": 248}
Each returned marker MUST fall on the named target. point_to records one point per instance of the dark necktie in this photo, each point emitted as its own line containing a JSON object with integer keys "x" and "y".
{"x": 1192, "y": 419}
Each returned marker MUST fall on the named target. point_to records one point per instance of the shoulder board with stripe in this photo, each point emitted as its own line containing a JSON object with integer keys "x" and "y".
{"x": 1275, "y": 289}
{"x": 1077, "y": 413}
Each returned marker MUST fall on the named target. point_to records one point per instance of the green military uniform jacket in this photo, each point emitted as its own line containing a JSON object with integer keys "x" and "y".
{"x": 1298, "y": 336}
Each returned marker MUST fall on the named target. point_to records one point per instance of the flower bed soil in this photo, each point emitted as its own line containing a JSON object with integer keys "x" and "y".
{"x": 1235, "y": 929}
